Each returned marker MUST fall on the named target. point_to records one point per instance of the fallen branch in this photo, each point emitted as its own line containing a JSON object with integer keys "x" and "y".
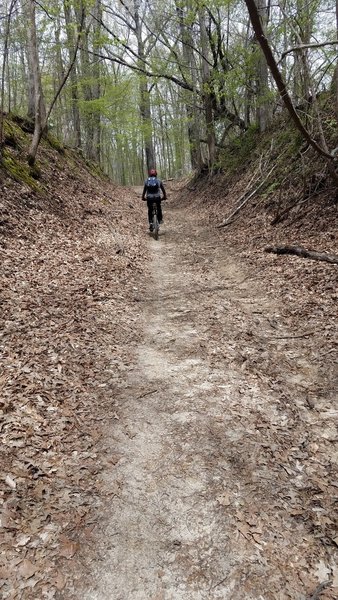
{"x": 146, "y": 394}
{"x": 284, "y": 212}
{"x": 302, "y": 252}
{"x": 293, "y": 337}
{"x": 246, "y": 199}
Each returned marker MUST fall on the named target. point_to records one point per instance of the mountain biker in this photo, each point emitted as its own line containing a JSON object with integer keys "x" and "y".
{"x": 152, "y": 192}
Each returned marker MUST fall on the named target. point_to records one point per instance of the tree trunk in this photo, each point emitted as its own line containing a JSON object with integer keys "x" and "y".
{"x": 262, "y": 86}
{"x": 207, "y": 85}
{"x": 41, "y": 122}
{"x": 40, "y": 109}
{"x": 61, "y": 124}
{"x": 34, "y": 86}
{"x": 248, "y": 81}
{"x": 145, "y": 106}
{"x": 335, "y": 76}
{"x": 87, "y": 84}
{"x": 302, "y": 35}
{"x": 191, "y": 105}
{"x": 96, "y": 85}
{"x": 4, "y": 63}
{"x": 74, "y": 84}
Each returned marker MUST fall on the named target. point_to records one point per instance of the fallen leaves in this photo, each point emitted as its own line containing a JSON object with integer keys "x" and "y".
{"x": 63, "y": 324}
{"x": 26, "y": 568}
{"x": 10, "y": 482}
{"x": 280, "y": 392}
{"x": 68, "y": 548}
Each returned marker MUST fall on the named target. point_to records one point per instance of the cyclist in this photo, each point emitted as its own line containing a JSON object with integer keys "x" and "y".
{"x": 152, "y": 192}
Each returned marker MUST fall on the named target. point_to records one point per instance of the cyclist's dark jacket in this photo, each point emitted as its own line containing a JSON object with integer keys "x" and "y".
{"x": 146, "y": 195}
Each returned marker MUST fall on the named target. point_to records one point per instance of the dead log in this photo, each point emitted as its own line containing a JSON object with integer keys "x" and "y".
{"x": 302, "y": 252}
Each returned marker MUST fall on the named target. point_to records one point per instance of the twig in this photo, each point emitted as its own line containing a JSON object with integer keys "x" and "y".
{"x": 289, "y": 337}
{"x": 226, "y": 222}
{"x": 146, "y": 394}
{"x": 305, "y": 46}
{"x": 284, "y": 212}
{"x": 219, "y": 583}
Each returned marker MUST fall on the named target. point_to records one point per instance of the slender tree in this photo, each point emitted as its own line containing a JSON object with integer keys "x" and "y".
{"x": 35, "y": 77}
{"x": 3, "y": 71}
{"x": 76, "y": 138}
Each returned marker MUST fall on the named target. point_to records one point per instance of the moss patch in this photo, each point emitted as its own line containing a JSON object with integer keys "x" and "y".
{"x": 20, "y": 171}
{"x": 55, "y": 143}
{"x": 13, "y": 135}
{"x": 24, "y": 123}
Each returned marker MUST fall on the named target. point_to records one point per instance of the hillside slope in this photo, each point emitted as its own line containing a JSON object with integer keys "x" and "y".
{"x": 273, "y": 194}
{"x": 72, "y": 257}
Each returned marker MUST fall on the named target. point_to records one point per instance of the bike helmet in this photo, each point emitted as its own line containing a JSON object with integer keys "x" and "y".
{"x": 152, "y": 173}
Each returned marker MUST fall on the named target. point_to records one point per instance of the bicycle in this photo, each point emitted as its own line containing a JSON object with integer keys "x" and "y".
{"x": 155, "y": 222}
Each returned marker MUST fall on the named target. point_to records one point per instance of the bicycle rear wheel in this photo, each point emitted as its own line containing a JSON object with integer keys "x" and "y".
{"x": 156, "y": 226}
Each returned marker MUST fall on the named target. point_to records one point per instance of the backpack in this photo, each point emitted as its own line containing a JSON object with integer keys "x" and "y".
{"x": 153, "y": 186}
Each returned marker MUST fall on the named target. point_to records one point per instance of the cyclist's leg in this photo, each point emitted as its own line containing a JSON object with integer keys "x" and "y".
{"x": 150, "y": 210}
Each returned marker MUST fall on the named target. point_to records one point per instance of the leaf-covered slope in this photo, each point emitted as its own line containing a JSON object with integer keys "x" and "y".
{"x": 72, "y": 247}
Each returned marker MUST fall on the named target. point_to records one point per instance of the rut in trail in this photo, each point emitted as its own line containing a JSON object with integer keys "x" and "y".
{"x": 196, "y": 508}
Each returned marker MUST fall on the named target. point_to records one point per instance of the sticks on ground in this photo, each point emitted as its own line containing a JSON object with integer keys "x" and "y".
{"x": 228, "y": 220}
{"x": 302, "y": 252}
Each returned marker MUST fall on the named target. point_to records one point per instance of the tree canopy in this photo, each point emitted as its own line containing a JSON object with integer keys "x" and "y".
{"x": 134, "y": 84}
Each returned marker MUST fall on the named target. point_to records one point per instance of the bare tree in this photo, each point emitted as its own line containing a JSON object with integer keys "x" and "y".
{"x": 4, "y": 62}
{"x": 262, "y": 85}
{"x": 145, "y": 107}
{"x": 260, "y": 34}
{"x": 335, "y": 77}
{"x": 35, "y": 75}
{"x": 206, "y": 88}
{"x": 74, "y": 87}
{"x": 41, "y": 117}
{"x": 189, "y": 65}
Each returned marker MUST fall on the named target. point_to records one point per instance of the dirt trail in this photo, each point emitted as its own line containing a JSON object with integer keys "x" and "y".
{"x": 204, "y": 494}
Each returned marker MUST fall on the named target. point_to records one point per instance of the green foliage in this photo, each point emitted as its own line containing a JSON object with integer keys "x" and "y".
{"x": 271, "y": 188}
{"x": 289, "y": 139}
{"x": 281, "y": 143}
{"x": 330, "y": 124}
{"x": 104, "y": 95}
{"x": 95, "y": 169}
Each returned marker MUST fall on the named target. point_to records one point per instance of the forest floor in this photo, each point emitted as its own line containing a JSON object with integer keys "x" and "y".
{"x": 174, "y": 429}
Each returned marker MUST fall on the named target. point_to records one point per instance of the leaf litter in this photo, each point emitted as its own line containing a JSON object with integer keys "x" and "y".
{"x": 255, "y": 418}
{"x": 282, "y": 316}
{"x": 62, "y": 358}
{"x": 66, "y": 254}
